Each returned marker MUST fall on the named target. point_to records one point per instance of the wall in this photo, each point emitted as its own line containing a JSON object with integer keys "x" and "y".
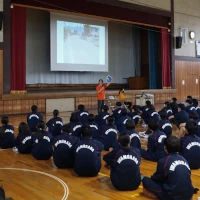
{"x": 187, "y": 15}
{"x": 159, "y": 4}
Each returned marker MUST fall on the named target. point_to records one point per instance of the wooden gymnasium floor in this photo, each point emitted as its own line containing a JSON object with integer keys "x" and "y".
{"x": 25, "y": 178}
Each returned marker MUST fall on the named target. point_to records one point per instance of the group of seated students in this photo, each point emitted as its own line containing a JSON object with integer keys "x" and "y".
{"x": 79, "y": 144}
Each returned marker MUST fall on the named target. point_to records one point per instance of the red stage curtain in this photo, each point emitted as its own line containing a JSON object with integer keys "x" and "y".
{"x": 18, "y": 44}
{"x": 166, "y": 67}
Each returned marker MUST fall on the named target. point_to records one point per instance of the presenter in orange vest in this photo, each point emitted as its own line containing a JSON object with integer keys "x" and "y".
{"x": 100, "y": 89}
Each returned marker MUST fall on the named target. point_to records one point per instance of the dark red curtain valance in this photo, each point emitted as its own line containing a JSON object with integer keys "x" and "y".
{"x": 18, "y": 44}
{"x": 166, "y": 67}
{"x": 100, "y": 9}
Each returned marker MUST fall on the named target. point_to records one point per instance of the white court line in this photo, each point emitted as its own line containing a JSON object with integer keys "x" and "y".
{"x": 66, "y": 189}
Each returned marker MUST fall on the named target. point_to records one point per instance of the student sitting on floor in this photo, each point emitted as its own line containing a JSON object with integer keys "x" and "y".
{"x": 189, "y": 106}
{"x": 135, "y": 114}
{"x": 117, "y": 112}
{"x": 125, "y": 165}
{"x": 102, "y": 116}
{"x": 42, "y": 148}
{"x": 64, "y": 145}
{"x": 34, "y": 118}
{"x": 24, "y": 140}
{"x": 109, "y": 134}
{"x": 155, "y": 148}
{"x": 150, "y": 114}
{"x": 75, "y": 125}
{"x": 174, "y": 105}
{"x": 172, "y": 180}
{"x": 190, "y": 145}
{"x": 121, "y": 122}
{"x": 134, "y": 137}
{"x": 195, "y": 103}
{"x": 87, "y": 154}
{"x": 55, "y": 124}
{"x": 7, "y": 138}
{"x": 95, "y": 130}
{"x": 167, "y": 109}
{"x": 180, "y": 117}
{"x": 164, "y": 124}
{"x": 82, "y": 114}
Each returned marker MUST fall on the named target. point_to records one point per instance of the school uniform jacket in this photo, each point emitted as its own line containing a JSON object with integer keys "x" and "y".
{"x": 42, "y": 149}
{"x": 181, "y": 117}
{"x": 173, "y": 173}
{"x": 166, "y": 127}
{"x": 101, "y": 119}
{"x": 55, "y": 126}
{"x": 9, "y": 139}
{"x": 33, "y": 119}
{"x": 155, "y": 145}
{"x": 135, "y": 116}
{"x": 24, "y": 143}
{"x": 63, "y": 154}
{"x": 125, "y": 171}
{"x": 135, "y": 139}
{"x": 116, "y": 113}
{"x": 174, "y": 107}
{"x": 190, "y": 109}
{"x": 150, "y": 115}
{"x": 121, "y": 123}
{"x": 83, "y": 116}
{"x": 198, "y": 111}
{"x": 191, "y": 150}
{"x": 109, "y": 136}
{"x": 76, "y": 128}
{"x": 95, "y": 130}
{"x": 88, "y": 157}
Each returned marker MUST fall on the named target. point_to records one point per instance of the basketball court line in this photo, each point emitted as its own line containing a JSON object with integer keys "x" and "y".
{"x": 66, "y": 189}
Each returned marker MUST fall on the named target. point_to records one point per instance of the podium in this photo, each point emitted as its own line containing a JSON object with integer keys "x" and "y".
{"x": 138, "y": 83}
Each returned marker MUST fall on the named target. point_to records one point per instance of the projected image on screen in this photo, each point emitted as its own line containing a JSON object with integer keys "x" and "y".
{"x": 82, "y": 43}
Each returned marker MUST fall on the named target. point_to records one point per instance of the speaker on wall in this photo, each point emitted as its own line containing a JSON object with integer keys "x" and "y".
{"x": 178, "y": 42}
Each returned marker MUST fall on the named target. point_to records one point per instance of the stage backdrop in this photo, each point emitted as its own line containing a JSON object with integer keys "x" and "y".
{"x": 124, "y": 53}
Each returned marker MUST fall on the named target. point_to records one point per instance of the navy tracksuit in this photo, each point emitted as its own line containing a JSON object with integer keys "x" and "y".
{"x": 191, "y": 150}
{"x": 121, "y": 123}
{"x": 190, "y": 109}
{"x": 83, "y": 116}
{"x": 116, "y": 113}
{"x": 42, "y": 149}
{"x": 95, "y": 130}
{"x": 101, "y": 119}
{"x": 125, "y": 168}
{"x": 88, "y": 157}
{"x": 63, "y": 154}
{"x": 9, "y": 139}
{"x": 109, "y": 136}
{"x": 33, "y": 119}
{"x": 166, "y": 127}
{"x": 155, "y": 148}
{"x": 24, "y": 143}
{"x": 55, "y": 126}
{"x": 76, "y": 128}
{"x": 174, "y": 107}
{"x": 198, "y": 111}
{"x": 181, "y": 117}
{"x": 172, "y": 179}
{"x": 150, "y": 115}
{"x": 135, "y": 116}
{"x": 135, "y": 139}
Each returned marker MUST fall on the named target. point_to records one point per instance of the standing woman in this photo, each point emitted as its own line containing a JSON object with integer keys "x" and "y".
{"x": 42, "y": 147}
{"x": 100, "y": 89}
{"x": 7, "y": 138}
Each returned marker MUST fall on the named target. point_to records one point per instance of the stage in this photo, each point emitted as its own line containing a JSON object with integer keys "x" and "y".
{"x": 64, "y": 100}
